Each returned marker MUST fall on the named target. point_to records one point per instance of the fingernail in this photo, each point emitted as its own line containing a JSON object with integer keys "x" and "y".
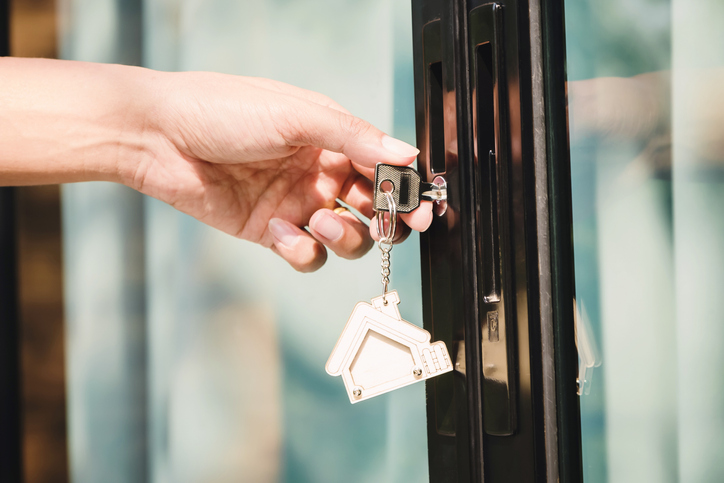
{"x": 327, "y": 226}
{"x": 399, "y": 148}
{"x": 283, "y": 232}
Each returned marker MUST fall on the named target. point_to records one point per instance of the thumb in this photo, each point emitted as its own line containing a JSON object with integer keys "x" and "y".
{"x": 330, "y": 129}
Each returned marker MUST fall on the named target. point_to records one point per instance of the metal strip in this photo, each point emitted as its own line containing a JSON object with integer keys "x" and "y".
{"x": 10, "y": 390}
{"x": 545, "y": 289}
{"x": 570, "y": 465}
{"x": 468, "y": 202}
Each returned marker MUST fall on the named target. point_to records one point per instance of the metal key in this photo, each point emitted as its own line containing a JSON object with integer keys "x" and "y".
{"x": 406, "y": 187}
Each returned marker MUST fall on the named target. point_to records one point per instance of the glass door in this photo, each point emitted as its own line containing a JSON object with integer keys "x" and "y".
{"x": 645, "y": 101}
{"x": 577, "y": 273}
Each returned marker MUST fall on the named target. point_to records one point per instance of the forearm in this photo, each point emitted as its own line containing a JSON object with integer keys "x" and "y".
{"x": 245, "y": 155}
{"x": 63, "y": 121}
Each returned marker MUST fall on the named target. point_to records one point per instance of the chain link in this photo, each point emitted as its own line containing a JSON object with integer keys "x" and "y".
{"x": 385, "y": 243}
{"x": 385, "y": 249}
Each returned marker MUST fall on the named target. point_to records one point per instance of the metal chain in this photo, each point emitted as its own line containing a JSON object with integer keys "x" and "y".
{"x": 385, "y": 243}
{"x": 385, "y": 248}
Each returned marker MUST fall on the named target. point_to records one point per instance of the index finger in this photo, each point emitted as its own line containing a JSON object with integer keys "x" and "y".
{"x": 327, "y": 128}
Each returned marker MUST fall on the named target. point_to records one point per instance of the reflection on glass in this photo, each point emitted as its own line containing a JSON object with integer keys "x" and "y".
{"x": 646, "y": 104}
{"x": 219, "y": 376}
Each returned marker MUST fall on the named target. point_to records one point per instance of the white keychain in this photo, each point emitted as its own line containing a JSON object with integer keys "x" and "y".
{"x": 378, "y": 351}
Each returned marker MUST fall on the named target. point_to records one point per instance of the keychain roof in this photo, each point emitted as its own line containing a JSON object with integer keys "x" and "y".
{"x": 378, "y": 351}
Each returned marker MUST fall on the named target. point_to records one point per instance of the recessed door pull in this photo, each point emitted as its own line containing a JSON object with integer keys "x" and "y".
{"x": 407, "y": 189}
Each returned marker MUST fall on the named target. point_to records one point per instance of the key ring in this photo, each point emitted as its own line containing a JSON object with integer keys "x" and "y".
{"x": 387, "y": 237}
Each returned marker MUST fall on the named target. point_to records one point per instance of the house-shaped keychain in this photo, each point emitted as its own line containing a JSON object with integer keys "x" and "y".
{"x": 378, "y": 351}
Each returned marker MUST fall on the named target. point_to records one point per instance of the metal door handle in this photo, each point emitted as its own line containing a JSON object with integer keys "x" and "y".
{"x": 491, "y": 120}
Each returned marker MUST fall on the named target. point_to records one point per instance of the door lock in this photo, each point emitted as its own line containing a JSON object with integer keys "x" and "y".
{"x": 407, "y": 189}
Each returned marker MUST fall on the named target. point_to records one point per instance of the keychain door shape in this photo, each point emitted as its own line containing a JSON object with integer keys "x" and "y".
{"x": 378, "y": 351}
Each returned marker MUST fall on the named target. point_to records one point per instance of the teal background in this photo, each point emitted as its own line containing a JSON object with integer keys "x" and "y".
{"x": 194, "y": 356}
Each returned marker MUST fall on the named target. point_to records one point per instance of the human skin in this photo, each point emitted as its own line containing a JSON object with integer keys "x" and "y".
{"x": 258, "y": 159}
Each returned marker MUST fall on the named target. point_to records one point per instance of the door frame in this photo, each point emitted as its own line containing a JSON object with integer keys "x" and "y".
{"x": 10, "y": 364}
{"x": 545, "y": 446}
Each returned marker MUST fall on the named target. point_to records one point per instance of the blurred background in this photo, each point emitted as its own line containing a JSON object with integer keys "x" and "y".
{"x": 33, "y": 33}
{"x": 646, "y": 97}
{"x": 156, "y": 349}
{"x": 178, "y": 353}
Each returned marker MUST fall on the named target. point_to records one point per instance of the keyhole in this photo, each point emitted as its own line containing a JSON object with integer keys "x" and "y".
{"x": 387, "y": 186}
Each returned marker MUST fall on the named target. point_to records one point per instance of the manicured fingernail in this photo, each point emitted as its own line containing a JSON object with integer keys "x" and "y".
{"x": 399, "y": 148}
{"x": 283, "y": 232}
{"x": 327, "y": 226}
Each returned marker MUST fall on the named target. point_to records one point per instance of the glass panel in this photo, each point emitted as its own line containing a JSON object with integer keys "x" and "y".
{"x": 194, "y": 356}
{"x": 646, "y": 104}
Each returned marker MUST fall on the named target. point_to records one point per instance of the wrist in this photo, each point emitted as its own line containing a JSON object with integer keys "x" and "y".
{"x": 138, "y": 126}
{"x": 64, "y": 121}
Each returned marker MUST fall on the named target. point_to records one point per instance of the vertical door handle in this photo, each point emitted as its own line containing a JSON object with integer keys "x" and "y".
{"x": 491, "y": 121}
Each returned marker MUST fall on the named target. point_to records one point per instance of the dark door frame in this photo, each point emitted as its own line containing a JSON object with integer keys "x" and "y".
{"x": 543, "y": 441}
{"x": 560, "y": 224}
{"x": 10, "y": 390}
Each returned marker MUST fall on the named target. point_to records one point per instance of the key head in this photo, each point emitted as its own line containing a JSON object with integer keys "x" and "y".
{"x": 404, "y": 183}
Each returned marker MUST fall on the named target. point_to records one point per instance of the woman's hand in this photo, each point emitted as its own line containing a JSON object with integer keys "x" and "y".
{"x": 255, "y": 158}
{"x": 260, "y": 159}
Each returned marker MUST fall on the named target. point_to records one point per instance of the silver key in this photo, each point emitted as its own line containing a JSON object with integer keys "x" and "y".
{"x": 406, "y": 187}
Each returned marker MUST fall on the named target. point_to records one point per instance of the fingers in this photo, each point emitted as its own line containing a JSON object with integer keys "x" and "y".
{"x": 284, "y": 88}
{"x": 402, "y": 231}
{"x": 357, "y": 192}
{"x": 367, "y": 172}
{"x": 296, "y": 246}
{"x": 421, "y": 218}
{"x": 330, "y": 129}
{"x": 418, "y": 220}
{"x": 342, "y": 232}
